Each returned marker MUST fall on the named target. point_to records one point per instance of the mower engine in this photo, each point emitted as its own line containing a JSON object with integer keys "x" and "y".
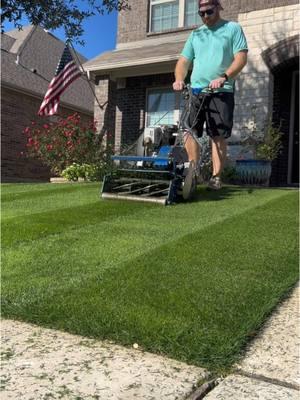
{"x": 155, "y": 174}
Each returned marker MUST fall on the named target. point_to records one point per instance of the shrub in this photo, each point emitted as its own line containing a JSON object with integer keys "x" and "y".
{"x": 65, "y": 142}
{"x": 229, "y": 175}
{"x": 88, "y": 172}
{"x": 264, "y": 141}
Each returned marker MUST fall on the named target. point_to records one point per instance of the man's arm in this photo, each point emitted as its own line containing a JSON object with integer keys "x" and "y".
{"x": 181, "y": 71}
{"x": 239, "y": 62}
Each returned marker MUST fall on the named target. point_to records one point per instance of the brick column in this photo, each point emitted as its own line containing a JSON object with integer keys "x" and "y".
{"x": 106, "y": 117}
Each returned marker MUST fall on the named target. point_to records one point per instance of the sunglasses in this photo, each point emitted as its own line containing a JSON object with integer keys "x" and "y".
{"x": 207, "y": 12}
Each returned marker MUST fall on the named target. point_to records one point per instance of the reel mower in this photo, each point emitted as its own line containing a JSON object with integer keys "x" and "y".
{"x": 157, "y": 172}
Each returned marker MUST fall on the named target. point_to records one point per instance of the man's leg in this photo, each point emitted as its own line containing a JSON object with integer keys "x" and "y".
{"x": 219, "y": 122}
{"x": 192, "y": 148}
{"x": 193, "y": 122}
{"x": 219, "y": 153}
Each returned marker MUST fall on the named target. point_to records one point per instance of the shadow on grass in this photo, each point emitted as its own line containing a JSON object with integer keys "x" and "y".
{"x": 204, "y": 194}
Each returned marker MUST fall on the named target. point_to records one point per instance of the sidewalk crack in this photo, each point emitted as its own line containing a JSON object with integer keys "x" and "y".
{"x": 263, "y": 378}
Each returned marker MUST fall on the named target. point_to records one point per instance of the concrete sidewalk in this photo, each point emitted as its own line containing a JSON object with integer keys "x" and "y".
{"x": 43, "y": 364}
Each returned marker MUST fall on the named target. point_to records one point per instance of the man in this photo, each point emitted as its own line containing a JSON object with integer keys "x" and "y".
{"x": 218, "y": 50}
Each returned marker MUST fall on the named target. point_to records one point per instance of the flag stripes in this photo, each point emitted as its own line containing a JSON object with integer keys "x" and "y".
{"x": 66, "y": 72}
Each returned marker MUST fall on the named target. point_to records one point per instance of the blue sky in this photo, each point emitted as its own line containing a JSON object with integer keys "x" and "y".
{"x": 100, "y": 34}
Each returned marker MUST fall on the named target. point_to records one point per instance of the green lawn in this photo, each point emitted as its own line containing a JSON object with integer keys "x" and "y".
{"x": 193, "y": 281}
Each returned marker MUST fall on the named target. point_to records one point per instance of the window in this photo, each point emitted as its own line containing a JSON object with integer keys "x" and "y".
{"x": 162, "y": 107}
{"x": 172, "y": 14}
{"x": 164, "y": 16}
{"x": 191, "y": 16}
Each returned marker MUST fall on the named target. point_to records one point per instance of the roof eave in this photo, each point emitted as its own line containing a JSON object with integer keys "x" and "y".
{"x": 134, "y": 68}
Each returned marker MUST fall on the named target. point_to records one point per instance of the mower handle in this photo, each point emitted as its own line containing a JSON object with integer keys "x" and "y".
{"x": 206, "y": 91}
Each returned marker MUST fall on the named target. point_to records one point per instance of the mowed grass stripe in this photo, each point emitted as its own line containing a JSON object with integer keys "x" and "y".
{"x": 175, "y": 220}
{"x": 48, "y": 190}
{"x": 49, "y": 198}
{"x": 107, "y": 242}
{"x": 40, "y": 225}
{"x": 8, "y": 189}
{"x": 197, "y": 299}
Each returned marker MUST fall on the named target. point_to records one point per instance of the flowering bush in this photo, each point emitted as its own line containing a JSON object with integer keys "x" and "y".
{"x": 60, "y": 144}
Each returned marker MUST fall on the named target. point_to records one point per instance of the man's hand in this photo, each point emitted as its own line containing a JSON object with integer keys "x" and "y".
{"x": 217, "y": 83}
{"x": 178, "y": 85}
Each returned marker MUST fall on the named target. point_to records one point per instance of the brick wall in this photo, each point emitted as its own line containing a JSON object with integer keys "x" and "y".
{"x": 124, "y": 115}
{"x": 255, "y": 5}
{"x": 133, "y": 24}
{"x": 131, "y": 105}
{"x": 17, "y": 112}
{"x": 263, "y": 28}
{"x": 130, "y": 112}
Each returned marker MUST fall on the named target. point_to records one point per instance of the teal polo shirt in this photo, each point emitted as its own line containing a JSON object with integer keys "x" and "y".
{"x": 212, "y": 51}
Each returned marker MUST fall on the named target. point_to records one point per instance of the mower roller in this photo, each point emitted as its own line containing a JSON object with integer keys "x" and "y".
{"x": 156, "y": 178}
{"x": 157, "y": 172}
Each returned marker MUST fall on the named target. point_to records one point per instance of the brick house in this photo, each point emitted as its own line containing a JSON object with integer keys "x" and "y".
{"x": 136, "y": 78}
{"x": 29, "y": 59}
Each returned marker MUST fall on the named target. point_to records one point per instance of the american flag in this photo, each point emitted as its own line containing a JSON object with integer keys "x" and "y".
{"x": 66, "y": 73}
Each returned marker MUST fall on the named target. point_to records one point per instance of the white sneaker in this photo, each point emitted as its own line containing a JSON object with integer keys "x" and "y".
{"x": 189, "y": 181}
{"x": 215, "y": 183}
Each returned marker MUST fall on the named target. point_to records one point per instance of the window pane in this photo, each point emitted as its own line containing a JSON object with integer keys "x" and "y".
{"x": 161, "y": 105}
{"x": 164, "y": 16}
{"x": 191, "y": 16}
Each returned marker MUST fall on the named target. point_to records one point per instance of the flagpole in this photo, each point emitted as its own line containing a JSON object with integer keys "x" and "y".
{"x": 68, "y": 42}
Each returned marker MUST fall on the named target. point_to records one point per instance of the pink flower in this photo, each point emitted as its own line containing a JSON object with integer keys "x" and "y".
{"x": 49, "y": 147}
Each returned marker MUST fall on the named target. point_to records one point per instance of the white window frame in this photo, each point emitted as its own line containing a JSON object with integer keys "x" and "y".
{"x": 176, "y": 113}
{"x": 181, "y": 11}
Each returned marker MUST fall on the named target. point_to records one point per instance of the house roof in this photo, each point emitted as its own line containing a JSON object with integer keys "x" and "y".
{"x": 28, "y": 63}
{"x": 6, "y": 41}
{"x": 142, "y": 56}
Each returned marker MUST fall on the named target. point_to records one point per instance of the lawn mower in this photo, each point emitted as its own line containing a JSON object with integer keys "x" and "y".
{"x": 158, "y": 169}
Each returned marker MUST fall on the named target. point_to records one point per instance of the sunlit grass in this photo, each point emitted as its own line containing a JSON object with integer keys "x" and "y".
{"x": 193, "y": 281}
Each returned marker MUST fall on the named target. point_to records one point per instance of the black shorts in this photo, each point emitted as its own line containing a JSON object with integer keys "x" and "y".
{"x": 217, "y": 111}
